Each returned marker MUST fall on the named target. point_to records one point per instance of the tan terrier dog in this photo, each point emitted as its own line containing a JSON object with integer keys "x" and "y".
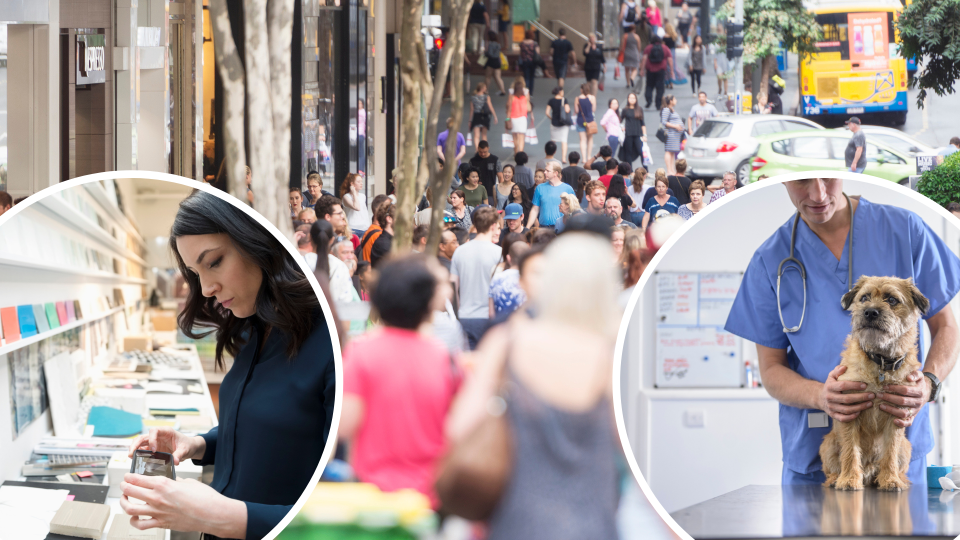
{"x": 881, "y": 350}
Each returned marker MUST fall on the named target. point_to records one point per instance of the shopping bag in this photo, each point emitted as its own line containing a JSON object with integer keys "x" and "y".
{"x": 506, "y": 140}
{"x": 469, "y": 139}
{"x": 482, "y": 61}
{"x": 504, "y": 65}
{"x": 616, "y": 72}
{"x": 647, "y": 158}
{"x": 603, "y": 75}
{"x": 531, "y": 137}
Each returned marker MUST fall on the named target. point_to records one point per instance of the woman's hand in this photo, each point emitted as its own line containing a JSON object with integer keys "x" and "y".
{"x": 643, "y": 138}
{"x": 172, "y": 442}
{"x": 182, "y": 505}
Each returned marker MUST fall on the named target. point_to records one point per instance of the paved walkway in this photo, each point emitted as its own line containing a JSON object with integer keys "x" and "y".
{"x": 612, "y": 89}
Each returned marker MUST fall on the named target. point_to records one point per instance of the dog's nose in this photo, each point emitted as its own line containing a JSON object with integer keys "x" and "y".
{"x": 871, "y": 314}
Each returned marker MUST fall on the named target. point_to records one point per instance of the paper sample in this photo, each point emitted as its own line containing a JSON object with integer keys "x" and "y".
{"x": 26, "y": 513}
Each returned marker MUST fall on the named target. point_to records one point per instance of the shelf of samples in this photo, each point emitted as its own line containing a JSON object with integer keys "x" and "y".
{"x": 70, "y": 233}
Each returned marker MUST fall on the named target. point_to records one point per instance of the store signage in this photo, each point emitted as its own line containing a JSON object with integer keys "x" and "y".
{"x": 91, "y": 59}
{"x": 927, "y": 162}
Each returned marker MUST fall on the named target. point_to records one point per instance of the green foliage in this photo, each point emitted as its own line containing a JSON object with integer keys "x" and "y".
{"x": 768, "y": 22}
{"x": 942, "y": 184}
{"x": 930, "y": 33}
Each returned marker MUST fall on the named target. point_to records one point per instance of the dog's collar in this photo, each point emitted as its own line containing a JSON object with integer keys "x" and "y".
{"x": 886, "y": 364}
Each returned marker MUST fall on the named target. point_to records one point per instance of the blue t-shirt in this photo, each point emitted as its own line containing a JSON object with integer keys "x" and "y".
{"x": 442, "y": 143}
{"x": 672, "y": 205}
{"x": 547, "y": 197}
{"x": 887, "y": 241}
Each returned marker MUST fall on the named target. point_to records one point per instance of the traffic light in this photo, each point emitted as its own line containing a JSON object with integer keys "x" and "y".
{"x": 734, "y": 40}
{"x": 438, "y": 43}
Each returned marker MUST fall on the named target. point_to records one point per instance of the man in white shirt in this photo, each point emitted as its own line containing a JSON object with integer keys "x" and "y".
{"x": 471, "y": 270}
{"x": 699, "y": 113}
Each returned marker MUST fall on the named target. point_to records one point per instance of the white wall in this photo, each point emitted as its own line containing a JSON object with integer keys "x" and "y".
{"x": 739, "y": 443}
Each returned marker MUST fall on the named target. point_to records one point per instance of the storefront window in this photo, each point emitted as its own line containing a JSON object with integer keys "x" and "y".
{"x": 318, "y": 90}
{"x": 3, "y": 106}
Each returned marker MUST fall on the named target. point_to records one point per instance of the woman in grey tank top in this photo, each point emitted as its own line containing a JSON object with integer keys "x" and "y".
{"x": 557, "y": 373}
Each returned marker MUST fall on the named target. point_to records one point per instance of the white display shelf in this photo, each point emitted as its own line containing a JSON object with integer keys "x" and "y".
{"x": 680, "y": 394}
{"x": 100, "y": 195}
{"x": 13, "y": 264}
{"x": 72, "y": 217}
{"x": 50, "y": 333}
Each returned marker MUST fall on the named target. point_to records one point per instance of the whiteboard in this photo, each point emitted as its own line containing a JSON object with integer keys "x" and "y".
{"x": 693, "y": 350}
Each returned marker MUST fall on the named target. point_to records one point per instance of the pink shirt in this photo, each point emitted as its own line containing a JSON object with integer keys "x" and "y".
{"x": 653, "y": 15}
{"x": 407, "y": 383}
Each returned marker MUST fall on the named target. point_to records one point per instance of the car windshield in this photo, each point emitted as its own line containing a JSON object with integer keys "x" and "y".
{"x": 903, "y": 145}
{"x": 714, "y": 129}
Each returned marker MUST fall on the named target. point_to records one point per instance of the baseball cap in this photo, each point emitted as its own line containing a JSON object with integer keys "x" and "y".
{"x": 853, "y": 120}
{"x": 513, "y": 211}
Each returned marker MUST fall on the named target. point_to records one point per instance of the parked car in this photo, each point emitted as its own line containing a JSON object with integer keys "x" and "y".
{"x": 728, "y": 143}
{"x": 796, "y": 151}
{"x": 897, "y": 140}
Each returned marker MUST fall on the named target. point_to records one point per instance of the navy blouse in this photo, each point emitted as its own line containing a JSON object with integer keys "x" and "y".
{"x": 275, "y": 417}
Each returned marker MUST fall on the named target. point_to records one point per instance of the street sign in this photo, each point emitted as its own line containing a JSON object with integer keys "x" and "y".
{"x": 927, "y": 162}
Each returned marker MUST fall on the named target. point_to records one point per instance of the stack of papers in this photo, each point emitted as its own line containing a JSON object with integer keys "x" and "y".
{"x": 25, "y": 513}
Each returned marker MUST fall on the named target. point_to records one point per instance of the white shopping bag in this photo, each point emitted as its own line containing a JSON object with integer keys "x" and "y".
{"x": 506, "y": 140}
{"x": 531, "y": 137}
{"x": 647, "y": 158}
{"x": 469, "y": 139}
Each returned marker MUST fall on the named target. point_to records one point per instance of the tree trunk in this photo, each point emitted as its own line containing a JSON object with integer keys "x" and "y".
{"x": 232, "y": 74}
{"x": 412, "y": 78}
{"x": 767, "y": 65}
{"x": 257, "y": 56}
{"x": 440, "y": 181}
{"x": 273, "y": 203}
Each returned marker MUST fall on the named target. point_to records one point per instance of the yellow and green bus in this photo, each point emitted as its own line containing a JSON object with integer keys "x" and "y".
{"x": 858, "y": 70}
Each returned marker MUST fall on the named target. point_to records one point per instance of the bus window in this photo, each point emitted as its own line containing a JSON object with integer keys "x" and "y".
{"x": 834, "y": 34}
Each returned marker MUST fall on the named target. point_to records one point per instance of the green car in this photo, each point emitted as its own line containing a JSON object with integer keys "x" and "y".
{"x": 796, "y": 151}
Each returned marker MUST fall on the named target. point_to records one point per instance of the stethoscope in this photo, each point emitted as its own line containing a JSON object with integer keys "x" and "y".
{"x": 803, "y": 270}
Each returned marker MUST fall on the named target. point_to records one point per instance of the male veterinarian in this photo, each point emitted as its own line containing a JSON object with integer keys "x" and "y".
{"x": 800, "y": 368}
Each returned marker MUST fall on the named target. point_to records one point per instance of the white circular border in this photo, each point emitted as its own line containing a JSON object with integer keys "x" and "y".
{"x": 661, "y": 253}
{"x": 331, "y": 325}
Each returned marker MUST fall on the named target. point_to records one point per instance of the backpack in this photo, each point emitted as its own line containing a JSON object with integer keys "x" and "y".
{"x": 631, "y": 14}
{"x": 656, "y": 53}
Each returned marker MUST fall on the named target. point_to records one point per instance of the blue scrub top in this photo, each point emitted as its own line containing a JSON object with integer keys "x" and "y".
{"x": 887, "y": 241}
{"x": 275, "y": 417}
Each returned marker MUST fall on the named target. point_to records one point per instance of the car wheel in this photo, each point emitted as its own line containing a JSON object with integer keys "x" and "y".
{"x": 904, "y": 182}
{"x": 744, "y": 169}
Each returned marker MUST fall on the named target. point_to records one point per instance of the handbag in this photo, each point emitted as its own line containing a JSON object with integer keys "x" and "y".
{"x": 474, "y": 474}
{"x": 603, "y": 76}
{"x": 662, "y": 134}
{"x": 591, "y": 127}
{"x": 482, "y": 61}
{"x": 565, "y": 117}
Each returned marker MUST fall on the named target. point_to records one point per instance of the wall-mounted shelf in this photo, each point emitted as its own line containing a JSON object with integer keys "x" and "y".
{"x": 100, "y": 195}
{"x": 60, "y": 209}
{"x": 680, "y": 394}
{"x": 50, "y": 333}
{"x": 11, "y": 264}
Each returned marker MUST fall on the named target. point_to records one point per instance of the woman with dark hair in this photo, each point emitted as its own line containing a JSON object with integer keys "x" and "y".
{"x": 461, "y": 212}
{"x": 519, "y": 195}
{"x": 634, "y": 132}
{"x": 492, "y": 67}
{"x": 277, "y": 399}
{"x": 522, "y": 174}
{"x": 618, "y": 189}
{"x": 582, "y": 182}
{"x": 398, "y": 384}
{"x": 529, "y": 57}
{"x": 324, "y": 263}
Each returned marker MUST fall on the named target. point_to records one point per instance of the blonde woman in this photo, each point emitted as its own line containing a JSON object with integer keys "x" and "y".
{"x": 557, "y": 367}
{"x": 617, "y": 237}
{"x": 569, "y": 206}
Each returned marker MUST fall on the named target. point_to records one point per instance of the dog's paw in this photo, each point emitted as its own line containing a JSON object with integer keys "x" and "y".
{"x": 892, "y": 483}
{"x": 831, "y": 480}
{"x": 849, "y": 484}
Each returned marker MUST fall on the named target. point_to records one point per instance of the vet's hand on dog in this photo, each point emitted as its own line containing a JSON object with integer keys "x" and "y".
{"x": 843, "y": 407}
{"x": 914, "y": 397}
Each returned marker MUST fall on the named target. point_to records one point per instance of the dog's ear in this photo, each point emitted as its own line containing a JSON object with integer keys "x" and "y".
{"x": 848, "y": 298}
{"x": 919, "y": 300}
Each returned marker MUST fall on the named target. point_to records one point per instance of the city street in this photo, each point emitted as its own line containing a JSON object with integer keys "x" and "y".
{"x": 934, "y": 125}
